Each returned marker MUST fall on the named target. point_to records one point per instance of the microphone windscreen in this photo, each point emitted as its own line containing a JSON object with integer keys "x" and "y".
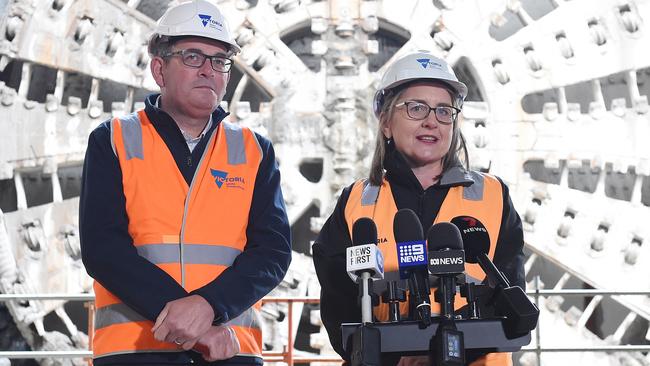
{"x": 407, "y": 226}
{"x": 475, "y": 236}
{"x": 364, "y": 231}
{"x": 444, "y": 235}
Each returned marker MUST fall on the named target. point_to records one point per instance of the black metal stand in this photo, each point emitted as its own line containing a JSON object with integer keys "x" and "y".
{"x": 393, "y": 295}
{"x": 446, "y": 338}
{"x": 407, "y": 338}
{"x": 447, "y": 346}
{"x": 366, "y": 346}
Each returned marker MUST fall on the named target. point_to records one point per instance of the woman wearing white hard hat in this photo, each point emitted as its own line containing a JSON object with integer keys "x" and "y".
{"x": 420, "y": 163}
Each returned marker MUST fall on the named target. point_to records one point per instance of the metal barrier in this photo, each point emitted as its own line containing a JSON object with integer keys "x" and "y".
{"x": 287, "y": 355}
{"x": 538, "y": 291}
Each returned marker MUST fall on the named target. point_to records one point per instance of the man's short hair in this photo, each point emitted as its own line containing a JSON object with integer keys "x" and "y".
{"x": 161, "y": 46}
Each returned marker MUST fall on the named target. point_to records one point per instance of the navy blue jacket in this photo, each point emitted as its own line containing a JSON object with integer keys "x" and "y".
{"x": 111, "y": 259}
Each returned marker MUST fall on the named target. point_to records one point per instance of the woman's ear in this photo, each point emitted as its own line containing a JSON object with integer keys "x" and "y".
{"x": 385, "y": 129}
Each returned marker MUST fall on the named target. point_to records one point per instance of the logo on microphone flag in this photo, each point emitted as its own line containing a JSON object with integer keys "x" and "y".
{"x": 412, "y": 253}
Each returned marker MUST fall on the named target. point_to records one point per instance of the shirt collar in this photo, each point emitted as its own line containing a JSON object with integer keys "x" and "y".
{"x": 157, "y": 115}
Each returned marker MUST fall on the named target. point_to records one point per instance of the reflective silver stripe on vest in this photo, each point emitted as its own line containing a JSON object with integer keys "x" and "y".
{"x": 112, "y": 126}
{"x": 235, "y": 142}
{"x": 475, "y": 191}
{"x": 132, "y": 136}
{"x": 248, "y": 319}
{"x": 456, "y": 176}
{"x": 193, "y": 253}
{"x": 369, "y": 194}
{"x": 116, "y": 314}
{"x": 121, "y": 313}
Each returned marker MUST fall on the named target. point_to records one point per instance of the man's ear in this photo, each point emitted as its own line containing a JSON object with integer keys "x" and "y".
{"x": 156, "y": 66}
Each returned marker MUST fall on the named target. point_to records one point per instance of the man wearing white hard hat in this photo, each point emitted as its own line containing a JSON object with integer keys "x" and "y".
{"x": 182, "y": 221}
{"x": 420, "y": 163}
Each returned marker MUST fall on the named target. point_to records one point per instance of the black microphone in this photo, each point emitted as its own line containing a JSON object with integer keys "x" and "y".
{"x": 446, "y": 260}
{"x": 509, "y": 301}
{"x": 365, "y": 262}
{"x": 477, "y": 244}
{"x": 412, "y": 262}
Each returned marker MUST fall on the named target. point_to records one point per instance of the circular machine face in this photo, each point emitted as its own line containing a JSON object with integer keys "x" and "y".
{"x": 557, "y": 107}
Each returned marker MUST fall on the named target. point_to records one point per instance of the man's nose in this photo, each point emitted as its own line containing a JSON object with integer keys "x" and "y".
{"x": 206, "y": 69}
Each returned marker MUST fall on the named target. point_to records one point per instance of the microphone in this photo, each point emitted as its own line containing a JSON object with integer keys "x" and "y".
{"x": 365, "y": 262}
{"x": 446, "y": 260}
{"x": 477, "y": 243}
{"x": 509, "y": 301}
{"x": 412, "y": 262}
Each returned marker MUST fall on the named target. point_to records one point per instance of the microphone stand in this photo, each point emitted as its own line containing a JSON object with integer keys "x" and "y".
{"x": 366, "y": 340}
{"x": 393, "y": 295}
{"x": 520, "y": 313}
{"x": 366, "y": 300}
{"x": 419, "y": 298}
{"x": 447, "y": 346}
{"x": 475, "y": 294}
{"x": 445, "y": 296}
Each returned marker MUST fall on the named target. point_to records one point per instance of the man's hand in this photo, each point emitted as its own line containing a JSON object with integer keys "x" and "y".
{"x": 218, "y": 343}
{"x": 184, "y": 321}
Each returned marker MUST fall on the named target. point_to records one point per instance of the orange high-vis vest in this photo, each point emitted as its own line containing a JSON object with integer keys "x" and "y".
{"x": 483, "y": 200}
{"x": 173, "y": 225}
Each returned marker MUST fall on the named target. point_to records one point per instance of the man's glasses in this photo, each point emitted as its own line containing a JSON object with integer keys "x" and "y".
{"x": 418, "y": 111}
{"x": 196, "y": 59}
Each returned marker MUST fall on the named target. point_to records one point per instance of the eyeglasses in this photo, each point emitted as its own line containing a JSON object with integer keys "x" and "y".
{"x": 196, "y": 59}
{"x": 445, "y": 114}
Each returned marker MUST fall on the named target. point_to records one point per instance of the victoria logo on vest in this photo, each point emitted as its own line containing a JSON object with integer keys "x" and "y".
{"x": 221, "y": 178}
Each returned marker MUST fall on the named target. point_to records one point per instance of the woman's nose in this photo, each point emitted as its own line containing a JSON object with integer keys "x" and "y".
{"x": 430, "y": 121}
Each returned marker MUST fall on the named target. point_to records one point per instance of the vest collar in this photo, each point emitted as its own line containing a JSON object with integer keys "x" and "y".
{"x": 398, "y": 172}
{"x": 456, "y": 176}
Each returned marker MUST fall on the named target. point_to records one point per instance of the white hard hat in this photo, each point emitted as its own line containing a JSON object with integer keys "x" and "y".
{"x": 196, "y": 18}
{"x": 420, "y": 65}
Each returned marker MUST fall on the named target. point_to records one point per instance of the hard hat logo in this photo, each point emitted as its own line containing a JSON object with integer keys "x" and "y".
{"x": 207, "y": 20}
{"x": 427, "y": 63}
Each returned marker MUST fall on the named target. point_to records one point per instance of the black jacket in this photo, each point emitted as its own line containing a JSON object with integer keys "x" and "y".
{"x": 339, "y": 293}
{"x": 111, "y": 259}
